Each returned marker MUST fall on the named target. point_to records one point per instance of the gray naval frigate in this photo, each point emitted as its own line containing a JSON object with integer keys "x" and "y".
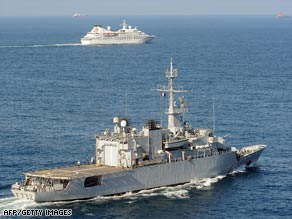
{"x": 128, "y": 160}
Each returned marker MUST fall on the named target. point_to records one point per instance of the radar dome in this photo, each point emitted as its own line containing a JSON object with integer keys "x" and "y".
{"x": 116, "y": 119}
{"x": 123, "y": 123}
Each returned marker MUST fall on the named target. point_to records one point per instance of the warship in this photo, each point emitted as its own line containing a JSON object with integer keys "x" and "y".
{"x": 128, "y": 160}
{"x": 127, "y": 35}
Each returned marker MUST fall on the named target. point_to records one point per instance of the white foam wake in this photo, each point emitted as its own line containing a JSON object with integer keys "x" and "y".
{"x": 175, "y": 192}
{"x": 44, "y": 45}
{"x": 13, "y": 203}
{"x": 205, "y": 183}
{"x": 240, "y": 169}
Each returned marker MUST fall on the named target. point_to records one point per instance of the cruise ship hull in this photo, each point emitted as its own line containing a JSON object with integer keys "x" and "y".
{"x": 110, "y": 41}
{"x": 147, "y": 177}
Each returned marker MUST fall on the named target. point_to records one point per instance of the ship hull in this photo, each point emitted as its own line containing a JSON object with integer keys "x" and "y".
{"x": 146, "y": 177}
{"x": 111, "y": 41}
{"x": 151, "y": 176}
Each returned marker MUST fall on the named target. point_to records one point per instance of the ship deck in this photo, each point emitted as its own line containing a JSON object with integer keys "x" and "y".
{"x": 75, "y": 171}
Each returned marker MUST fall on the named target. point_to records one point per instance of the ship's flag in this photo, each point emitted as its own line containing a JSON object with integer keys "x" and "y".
{"x": 162, "y": 94}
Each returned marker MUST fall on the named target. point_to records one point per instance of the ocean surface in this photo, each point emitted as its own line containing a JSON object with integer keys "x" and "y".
{"x": 56, "y": 95}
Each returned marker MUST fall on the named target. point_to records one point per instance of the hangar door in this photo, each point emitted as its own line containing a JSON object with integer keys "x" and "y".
{"x": 110, "y": 155}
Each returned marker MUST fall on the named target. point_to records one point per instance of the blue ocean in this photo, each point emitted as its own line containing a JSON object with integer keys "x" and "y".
{"x": 56, "y": 95}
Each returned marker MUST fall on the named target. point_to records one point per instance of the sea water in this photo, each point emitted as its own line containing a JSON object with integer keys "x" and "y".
{"x": 56, "y": 95}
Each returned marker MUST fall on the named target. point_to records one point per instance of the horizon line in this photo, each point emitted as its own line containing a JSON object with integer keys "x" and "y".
{"x": 144, "y": 15}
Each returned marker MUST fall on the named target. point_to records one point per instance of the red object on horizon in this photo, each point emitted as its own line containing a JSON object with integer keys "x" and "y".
{"x": 281, "y": 15}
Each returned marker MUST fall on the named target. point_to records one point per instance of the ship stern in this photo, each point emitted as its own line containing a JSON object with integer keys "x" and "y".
{"x": 21, "y": 193}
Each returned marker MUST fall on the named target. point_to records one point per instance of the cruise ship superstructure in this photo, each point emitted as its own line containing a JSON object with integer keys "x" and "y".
{"x": 127, "y": 35}
{"x": 127, "y": 159}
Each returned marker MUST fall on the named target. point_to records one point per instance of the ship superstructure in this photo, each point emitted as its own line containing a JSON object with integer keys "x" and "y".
{"x": 126, "y": 35}
{"x": 130, "y": 160}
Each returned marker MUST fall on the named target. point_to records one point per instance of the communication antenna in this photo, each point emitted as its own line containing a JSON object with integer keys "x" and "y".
{"x": 162, "y": 94}
{"x": 126, "y": 104}
{"x": 213, "y": 114}
{"x": 161, "y": 108}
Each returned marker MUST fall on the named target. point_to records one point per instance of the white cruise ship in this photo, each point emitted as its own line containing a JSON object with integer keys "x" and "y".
{"x": 127, "y": 35}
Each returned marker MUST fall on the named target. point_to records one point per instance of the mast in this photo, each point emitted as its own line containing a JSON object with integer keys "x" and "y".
{"x": 175, "y": 120}
{"x": 124, "y": 24}
{"x": 171, "y": 74}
